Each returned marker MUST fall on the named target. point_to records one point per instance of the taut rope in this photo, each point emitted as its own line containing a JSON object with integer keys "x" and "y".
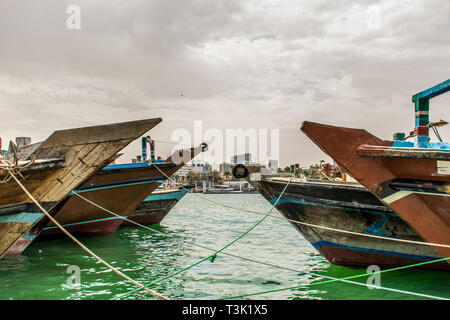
{"x": 11, "y": 173}
{"x": 309, "y": 224}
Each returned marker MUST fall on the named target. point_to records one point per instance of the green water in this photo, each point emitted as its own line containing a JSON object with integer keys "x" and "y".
{"x": 41, "y": 272}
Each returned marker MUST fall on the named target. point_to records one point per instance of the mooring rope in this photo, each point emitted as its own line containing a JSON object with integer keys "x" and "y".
{"x": 8, "y": 166}
{"x": 331, "y": 279}
{"x": 170, "y": 142}
{"x": 213, "y": 256}
{"x": 262, "y": 262}
{"x": 155, "y": 294}
{"x": 328, "y": 281}
{"x": 308, "y": 224}
{"x": 433, "y": 126}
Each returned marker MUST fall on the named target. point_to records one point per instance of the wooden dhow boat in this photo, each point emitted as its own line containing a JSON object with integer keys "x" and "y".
{"x": 55, "y": 167}
{"x": 155, "y": 207}
{"x": 343, "y": 206}
{"x": 412, "y": 178}
{"x": 118, "y": 188}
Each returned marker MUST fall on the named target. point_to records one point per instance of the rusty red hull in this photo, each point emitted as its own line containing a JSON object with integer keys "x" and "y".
{"x": 119, "y": 189}
{"x": 20, "y": 245}
{"x": 59, "y": 164}
{"x": 348, "y": 257}
{"x": 401, "y": 179}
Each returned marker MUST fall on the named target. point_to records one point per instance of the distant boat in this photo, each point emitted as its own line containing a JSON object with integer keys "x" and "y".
{"x": 155, "y": 207}
{"x": 413, "y": 178}
{"x": 350, "y": 207}
{"x": 220, "y": 188}
{"x": 226, "y": 189}
{"x": 63, "y": 162}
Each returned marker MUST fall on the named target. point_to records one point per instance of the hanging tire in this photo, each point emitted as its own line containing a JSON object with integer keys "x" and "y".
{"x": 240, "y": 171}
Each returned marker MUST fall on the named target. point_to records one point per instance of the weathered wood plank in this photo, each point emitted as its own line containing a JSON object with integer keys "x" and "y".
{"x": 78, "y": 171}
{"x": 10, "y": 232}
{"x": 85, "y": 150}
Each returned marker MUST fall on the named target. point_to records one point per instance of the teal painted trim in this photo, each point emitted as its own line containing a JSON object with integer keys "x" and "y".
{"x": 84, "y": 222}
{"x": 120, "y": 185}
{"x": 24, "y": 217}
{"x": 132, "y": 165}
{"x": 432, "y": 92}
{"x": 433, "y": 146}
{"x": 166, "y": 196}
{"x": 375, "y": 229}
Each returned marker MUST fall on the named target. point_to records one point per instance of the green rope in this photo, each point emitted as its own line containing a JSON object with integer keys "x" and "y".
{"x": 387, "y": 270}
{"x": 362, "y": 284}
{"x": 436, "y": 131}
{"x": 347, "y": 278}
{"x": 213, "y": 256}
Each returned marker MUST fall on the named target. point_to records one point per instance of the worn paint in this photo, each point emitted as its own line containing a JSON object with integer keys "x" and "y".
{"x": 342, "y": 248}
{"x": 422, "y": 106}
{"x": 167, "y": 195}
{"x": 443, "y": 167}
{"x": 319, "y": 244}
{"x": 84, "y": 222}
{"x": 24, "y": 217}
{"x": 375, "y": 229}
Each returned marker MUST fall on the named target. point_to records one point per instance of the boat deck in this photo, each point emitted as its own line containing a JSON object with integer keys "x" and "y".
{"x": 330, "y": 183}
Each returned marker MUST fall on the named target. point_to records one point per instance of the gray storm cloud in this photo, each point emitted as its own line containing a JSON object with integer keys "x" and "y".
{"x": 232, "y": 64}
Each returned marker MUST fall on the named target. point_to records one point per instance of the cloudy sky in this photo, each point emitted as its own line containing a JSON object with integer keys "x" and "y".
{"x": 229, "y": 63}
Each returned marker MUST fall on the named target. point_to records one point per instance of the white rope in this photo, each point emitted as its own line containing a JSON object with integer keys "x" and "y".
{"x": 8, "y": 166}
{"x": 345, "y": 280}
{"x": 113, "y": 213}
{"x": 310, "y": 224}
{"x": 140, "y": 285}
{"x": 155, "y": 294}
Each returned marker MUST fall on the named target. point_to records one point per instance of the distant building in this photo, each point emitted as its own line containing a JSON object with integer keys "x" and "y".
{"x": 207, "y": 167}
{"x": 273, "y": 165}
{"x": 245, "y": 158}
{"x": 184, "y": 171}
{"x": 201, "y": 167}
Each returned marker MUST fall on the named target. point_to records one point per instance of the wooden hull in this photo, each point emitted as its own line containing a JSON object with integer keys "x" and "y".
{"x": 400, "y": 178}
{"x": 155, "y": 207}
{"x": 120, "y": 189}
{"x": 346, "y": 206}
{"x": 79, "y": 153}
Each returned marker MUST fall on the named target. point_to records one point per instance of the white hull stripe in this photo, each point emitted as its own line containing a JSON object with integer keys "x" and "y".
{"x": 443, "y": 167}
{"x": 401, "y": 194}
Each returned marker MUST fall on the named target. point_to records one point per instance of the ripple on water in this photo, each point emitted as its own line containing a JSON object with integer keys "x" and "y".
{"x": 41, "y": 273}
